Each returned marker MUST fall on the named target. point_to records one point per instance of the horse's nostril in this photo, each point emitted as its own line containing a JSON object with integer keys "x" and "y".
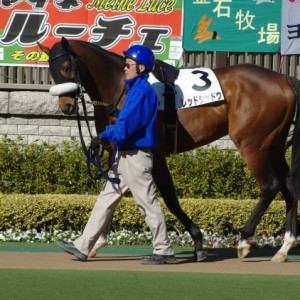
{"x": 67, "y": 109}
{"x": 70, "y": 109}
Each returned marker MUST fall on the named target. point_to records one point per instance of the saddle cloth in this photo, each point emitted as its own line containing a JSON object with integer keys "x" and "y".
{"x": 193, "y": 87}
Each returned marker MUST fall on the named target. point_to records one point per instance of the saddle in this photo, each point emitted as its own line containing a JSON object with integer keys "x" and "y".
{"x": 164, "y": 72}
{"x": 167, "y": 74}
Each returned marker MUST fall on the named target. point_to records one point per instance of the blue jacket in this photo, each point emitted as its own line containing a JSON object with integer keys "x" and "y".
{"x": 136, "y": 126}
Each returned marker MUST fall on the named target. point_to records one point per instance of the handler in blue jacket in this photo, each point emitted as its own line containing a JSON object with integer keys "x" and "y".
{"x": 135, "y": 133}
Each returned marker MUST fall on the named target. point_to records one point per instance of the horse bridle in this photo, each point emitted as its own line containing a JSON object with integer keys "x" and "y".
{"x": 93, "y": 156}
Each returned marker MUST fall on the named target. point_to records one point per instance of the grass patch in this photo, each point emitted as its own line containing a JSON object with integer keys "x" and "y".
{"x": 33, "y": 284}
{"x": 69, "y": 284}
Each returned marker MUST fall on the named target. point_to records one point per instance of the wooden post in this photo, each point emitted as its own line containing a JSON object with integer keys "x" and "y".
{"x": 221, "y": 59}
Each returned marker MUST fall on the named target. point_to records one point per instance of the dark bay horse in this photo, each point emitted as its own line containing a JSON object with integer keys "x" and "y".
{"x": 257, "y": 114}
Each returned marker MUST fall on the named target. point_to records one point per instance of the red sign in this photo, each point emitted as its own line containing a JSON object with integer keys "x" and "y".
{"x": 111, "y": 24}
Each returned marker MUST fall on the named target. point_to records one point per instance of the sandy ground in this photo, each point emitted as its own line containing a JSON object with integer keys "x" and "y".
{"x": 104, "y": 261}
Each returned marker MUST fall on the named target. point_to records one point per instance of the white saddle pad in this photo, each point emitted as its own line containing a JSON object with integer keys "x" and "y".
{"x": 193, "y": 87}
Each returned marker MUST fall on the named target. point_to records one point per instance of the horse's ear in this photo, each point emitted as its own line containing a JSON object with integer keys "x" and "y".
{"x": 44, "y": 48}
{"x": 65, "y": 45}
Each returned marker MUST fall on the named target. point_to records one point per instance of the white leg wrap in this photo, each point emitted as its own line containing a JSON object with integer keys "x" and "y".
{"x": 243, "y": 244}
{"x": 289, "y": 242}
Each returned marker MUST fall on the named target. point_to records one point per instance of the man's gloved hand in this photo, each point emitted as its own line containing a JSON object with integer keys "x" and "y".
{"x": 110, "y": 109}
{"x": 96, "y": 142}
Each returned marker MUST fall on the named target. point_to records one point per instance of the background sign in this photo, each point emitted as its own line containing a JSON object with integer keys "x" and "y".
{"x": 290, "y": 29}
{"x": 111, "y": 24}
{"x": 232, "y": 25}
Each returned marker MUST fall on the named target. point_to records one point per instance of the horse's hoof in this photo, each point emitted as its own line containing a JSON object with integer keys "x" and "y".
{"x": 97, "y": 246}
{"x": 243, "y": 251}
{"x": 92, "y": 253}
{"x": 279, "y": 258}
{"x": 200, "y": 255}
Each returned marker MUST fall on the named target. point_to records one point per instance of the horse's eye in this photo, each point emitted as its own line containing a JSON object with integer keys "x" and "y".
{"x": 68, "y": 69}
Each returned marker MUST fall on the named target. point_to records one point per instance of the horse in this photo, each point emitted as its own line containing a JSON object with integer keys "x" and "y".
{"x": 259, "y": 111}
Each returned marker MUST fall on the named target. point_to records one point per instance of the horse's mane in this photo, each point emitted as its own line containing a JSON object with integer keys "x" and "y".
{"x": 98, "y": 49}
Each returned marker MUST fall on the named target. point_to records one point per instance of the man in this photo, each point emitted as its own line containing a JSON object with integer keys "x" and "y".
{"x": 135, "y": 133}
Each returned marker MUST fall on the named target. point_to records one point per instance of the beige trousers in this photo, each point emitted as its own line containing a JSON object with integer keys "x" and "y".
{"x": 134, "y": 168}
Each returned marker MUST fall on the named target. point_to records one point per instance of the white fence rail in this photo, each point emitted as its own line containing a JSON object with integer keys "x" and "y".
{"x": 289, "y": 65}
{"x": 38, "y": 78}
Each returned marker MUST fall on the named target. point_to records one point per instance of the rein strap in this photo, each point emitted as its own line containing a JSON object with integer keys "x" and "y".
{"x": 93, "y": 157}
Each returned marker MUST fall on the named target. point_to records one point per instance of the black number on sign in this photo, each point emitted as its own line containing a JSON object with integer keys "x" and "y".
{"x": 203, "y": 77}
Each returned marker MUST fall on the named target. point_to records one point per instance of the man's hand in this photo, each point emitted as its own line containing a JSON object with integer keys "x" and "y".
{"x": 110, "y": 109}
{"x": 96, "y": 142}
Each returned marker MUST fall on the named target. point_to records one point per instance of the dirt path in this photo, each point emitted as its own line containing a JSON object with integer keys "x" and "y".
{"x": 216, "y": 263}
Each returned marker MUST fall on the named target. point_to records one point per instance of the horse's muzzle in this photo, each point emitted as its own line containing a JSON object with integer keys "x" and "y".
{"x": 67, "y": 93}
{"x": 70, "y": 108}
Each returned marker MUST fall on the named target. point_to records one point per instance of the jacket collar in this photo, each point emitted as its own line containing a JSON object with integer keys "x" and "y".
{"x": 131, "y": 82}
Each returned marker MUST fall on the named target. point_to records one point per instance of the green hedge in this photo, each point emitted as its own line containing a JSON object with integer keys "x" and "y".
{"x": 71, "y": 212}
{"x": 62, "y": 169}
{"x": 212, "y": 173}
{"x": 44, "y": 169}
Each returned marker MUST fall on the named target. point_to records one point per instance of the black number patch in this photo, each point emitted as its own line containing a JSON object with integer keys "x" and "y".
{"x": 204, "y": 78}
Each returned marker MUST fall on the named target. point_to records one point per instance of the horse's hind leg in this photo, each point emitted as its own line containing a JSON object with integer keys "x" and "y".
{"x": 290, "y": 240}
{"x": 272, "y": 174}
{"x": 164, "y": 183}
{"x": 102, "y": 241}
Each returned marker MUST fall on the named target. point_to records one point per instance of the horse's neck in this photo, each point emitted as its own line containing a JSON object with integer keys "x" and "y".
{"x": 91, "y": 88}
{"x": 104, "y": 80}
{"x": 103, "y": 85}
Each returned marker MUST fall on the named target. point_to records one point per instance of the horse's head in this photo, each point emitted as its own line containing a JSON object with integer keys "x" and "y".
{"x": 63, "y": 69}
{"x": 78, "y": 65}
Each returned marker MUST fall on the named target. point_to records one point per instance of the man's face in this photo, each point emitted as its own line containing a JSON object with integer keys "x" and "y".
{"x": 130, "y": 68}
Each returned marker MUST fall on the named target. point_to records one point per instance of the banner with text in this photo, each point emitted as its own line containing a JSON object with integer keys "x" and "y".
{"x": 111, "y": 24}
{"x": 290, "y": 27}
{"x": 232, "y": 25}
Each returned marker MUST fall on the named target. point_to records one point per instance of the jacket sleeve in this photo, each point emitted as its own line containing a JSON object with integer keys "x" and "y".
{"x": 137, "y": 112}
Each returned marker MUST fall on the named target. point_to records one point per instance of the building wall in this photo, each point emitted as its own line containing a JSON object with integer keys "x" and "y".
{"x": 37, "y": 118}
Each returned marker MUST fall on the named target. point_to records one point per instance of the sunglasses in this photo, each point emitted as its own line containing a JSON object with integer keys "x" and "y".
{"x": 128, "y": 66}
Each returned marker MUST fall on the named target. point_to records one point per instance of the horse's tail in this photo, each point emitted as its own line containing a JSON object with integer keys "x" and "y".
{"x": 295, "y": 165}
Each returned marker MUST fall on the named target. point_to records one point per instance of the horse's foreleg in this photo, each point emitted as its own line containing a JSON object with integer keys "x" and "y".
{"x": 164, "y": 183}
{"x": 102, "y": 241}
